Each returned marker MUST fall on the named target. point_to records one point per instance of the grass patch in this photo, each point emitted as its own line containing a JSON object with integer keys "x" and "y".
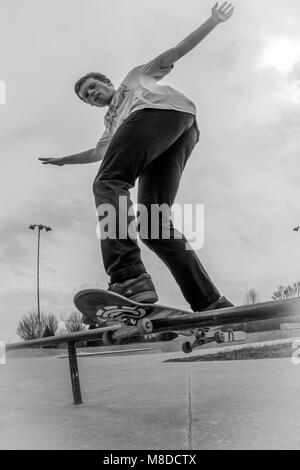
{"x": 260, "y": 352}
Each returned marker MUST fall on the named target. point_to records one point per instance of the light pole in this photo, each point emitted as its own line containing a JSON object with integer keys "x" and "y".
{"x": 40, "y": 228}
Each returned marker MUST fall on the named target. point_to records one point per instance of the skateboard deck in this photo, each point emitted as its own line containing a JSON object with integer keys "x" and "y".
{"x": 134, "y": 318}
{"x": 98, "y": 306}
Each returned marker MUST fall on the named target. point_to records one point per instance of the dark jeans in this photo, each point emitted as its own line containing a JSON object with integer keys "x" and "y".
{"x": 154, "y": 146}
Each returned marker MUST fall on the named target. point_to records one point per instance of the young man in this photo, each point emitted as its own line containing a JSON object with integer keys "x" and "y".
{"x": 150, "y": 132}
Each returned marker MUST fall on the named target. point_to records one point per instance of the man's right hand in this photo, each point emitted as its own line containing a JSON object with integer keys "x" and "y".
{"x": 52, "y": 161}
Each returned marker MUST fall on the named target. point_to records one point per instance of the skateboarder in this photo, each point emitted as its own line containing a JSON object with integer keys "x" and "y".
{"x": 150, "y": 132}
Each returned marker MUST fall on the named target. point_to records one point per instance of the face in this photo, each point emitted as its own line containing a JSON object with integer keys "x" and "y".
{"x": 96, "y": 93}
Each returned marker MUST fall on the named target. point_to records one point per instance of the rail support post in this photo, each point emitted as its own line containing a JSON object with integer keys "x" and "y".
{"x": 74, "y": 373}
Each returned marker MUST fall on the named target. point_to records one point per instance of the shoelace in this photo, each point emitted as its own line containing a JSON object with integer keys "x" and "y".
{"x": 114, "y": 284}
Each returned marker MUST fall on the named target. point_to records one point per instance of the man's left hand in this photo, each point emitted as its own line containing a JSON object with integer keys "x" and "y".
{"x": 222, "y": 13}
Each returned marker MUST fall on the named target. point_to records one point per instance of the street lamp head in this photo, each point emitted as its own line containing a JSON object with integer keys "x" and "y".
{"x": 40, "y": 227}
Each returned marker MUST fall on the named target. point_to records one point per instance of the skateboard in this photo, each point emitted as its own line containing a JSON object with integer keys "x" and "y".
{"x": 100, "y": 306}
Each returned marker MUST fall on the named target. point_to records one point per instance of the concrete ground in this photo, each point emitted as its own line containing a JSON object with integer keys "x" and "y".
{"x": 139, "y": 402}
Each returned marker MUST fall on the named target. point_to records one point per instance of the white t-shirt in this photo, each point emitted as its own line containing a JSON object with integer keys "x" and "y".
{"x": 140, "y": 90}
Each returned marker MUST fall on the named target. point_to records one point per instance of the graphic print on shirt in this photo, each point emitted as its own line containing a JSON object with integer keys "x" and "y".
{"x": 111, "y": 117}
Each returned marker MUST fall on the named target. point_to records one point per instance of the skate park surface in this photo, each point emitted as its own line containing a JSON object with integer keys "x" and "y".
{"x": 138, "y": 401}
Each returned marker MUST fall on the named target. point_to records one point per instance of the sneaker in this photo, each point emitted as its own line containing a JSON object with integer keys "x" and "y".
{"x": 140, "y": 289}
{"x": 222, "y": 302}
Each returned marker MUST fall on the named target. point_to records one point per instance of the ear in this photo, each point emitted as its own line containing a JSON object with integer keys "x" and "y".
{"x": 108, "y": 82}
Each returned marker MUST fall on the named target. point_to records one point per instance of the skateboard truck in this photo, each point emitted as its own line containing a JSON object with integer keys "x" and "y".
{"x": 142, "y": 327}
{"x": 203, "y": 337}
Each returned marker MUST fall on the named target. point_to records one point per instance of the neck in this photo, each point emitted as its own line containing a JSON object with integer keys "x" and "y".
{"x": 112, "y": 97}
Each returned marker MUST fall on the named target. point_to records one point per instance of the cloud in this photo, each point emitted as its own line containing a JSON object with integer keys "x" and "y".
{"x": 281, "y": 54}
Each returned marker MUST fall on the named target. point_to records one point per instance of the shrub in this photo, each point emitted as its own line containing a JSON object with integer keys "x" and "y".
{"x": 74, "y": 323}
{"x": 30, "y": 327}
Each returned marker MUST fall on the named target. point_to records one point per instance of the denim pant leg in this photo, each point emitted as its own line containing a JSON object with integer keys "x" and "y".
{"x": 143, "y": 137}
{"x": 158, "y": 184}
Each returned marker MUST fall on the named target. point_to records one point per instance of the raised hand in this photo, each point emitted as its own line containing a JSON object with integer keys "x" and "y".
{"x": 222, "y": 13}
{"x": 52, "y": 161}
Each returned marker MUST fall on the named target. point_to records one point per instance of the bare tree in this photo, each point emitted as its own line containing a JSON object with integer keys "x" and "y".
{"x": 74, "y": 323}
{"x": 251, "y": 297}
{"x": 29, "y": 327}
{"x": 287, "y": 292}
{"x": 50, "y": 325}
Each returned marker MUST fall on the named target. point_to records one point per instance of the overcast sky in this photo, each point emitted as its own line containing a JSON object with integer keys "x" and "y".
{"x": 244, "y": 81}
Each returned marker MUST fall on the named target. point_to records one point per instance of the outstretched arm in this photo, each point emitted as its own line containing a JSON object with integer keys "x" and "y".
{"x": 88, "y": 156}
{"x": 218, "y": 15}
{"x": 169, "y": 57}
{"x": 82, "y": 157}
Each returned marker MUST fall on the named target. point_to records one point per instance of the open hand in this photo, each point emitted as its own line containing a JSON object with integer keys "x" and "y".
{"x": 52, "y": 161}
{"x": 222, "y": 13}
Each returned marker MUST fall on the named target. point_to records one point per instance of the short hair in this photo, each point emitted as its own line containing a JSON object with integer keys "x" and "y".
{"x": 96, "y": 75}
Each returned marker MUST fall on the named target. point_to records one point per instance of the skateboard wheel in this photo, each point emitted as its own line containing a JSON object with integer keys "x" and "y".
{"x": 219, "y": 337}
{"x": 108, "y": 339}
{"x": 187, "y": 347}
{"x": 144, "y": 326}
